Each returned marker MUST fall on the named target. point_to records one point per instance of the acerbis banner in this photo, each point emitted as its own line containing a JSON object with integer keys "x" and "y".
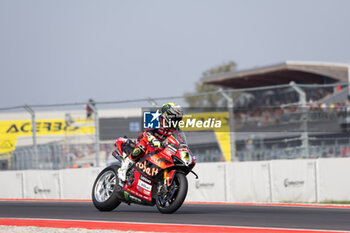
{"x": 11, "y": 130}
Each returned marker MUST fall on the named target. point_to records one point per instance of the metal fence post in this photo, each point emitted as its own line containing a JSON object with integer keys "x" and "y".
{"x": 230, "y": 105}
{"x": 66, "y": 159}
{"x": 302, "y": 103}
{"x": 35, "y": 146}
{"x": 153, "y": 102}
{"x": 97, "y": 133}
{"x": 348, "y": 83}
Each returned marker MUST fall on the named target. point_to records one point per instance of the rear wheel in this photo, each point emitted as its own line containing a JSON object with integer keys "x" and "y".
{"x": 104, "y": 191}
{"x": 171, "y": 198}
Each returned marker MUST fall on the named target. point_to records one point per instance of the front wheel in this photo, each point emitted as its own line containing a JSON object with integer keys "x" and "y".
{"x": 171, "y": 198}
{"x": 104, "y": 191}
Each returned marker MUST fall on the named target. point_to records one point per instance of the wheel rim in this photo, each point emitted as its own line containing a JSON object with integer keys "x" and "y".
{"x": 166, "y": 198}
{"x": 105, "y": 186}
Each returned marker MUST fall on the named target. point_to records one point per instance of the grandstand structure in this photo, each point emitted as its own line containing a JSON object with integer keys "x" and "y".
{"x": 303, "y": 72}
{"x": 270, "y": 125}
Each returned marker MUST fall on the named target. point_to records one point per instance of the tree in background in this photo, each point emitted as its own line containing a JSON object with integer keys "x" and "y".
{"x": 225, "y": 68}
{"x": 214, "y": 100}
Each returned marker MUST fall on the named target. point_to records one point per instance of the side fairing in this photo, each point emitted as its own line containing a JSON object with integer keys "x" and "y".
{"x": 140, "y": 186}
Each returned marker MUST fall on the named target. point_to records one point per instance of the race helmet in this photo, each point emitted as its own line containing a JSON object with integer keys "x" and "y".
{"x": 172, "y": 114}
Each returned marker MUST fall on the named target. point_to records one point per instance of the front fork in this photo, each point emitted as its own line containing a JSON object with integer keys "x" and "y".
{"x": 167, "y": 180}
{"x": 169, "y": 177}
{"x": 165, "y": 175}
{"x": 166, "y": 191}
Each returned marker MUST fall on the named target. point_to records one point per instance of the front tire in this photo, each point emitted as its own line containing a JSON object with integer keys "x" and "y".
{"x": 171, "y": 200}
{"x": 104, "y": 191}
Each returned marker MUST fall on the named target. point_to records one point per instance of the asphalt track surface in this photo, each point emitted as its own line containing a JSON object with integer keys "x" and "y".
{"x": 319, "y": 218}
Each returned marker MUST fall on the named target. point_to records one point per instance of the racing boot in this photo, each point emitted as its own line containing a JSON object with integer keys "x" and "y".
{"x": 127, "y": 163}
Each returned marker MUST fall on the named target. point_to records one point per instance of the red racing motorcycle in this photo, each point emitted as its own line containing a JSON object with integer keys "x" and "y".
{"x": 158, "y": 178}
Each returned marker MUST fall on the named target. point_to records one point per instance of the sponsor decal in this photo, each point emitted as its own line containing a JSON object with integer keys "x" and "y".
{"x": 38, "y": 190}
{"x": 137, "y": 193}
{"x": 7, "y": 144}
{"x": 168, "y": 153}
{"x": 172, "y": 149}
{"x": 293, "y": 183}
{"x": 204, "y": 185}
{"x": 159, "y": 161}
{"x": 148, "y": 181}
{"x": 144, "y": 185}
{"x": 135, "y": 199}
{"x": 126, "y": 195}
{"x": 47, "y": 127}
{"x": 147, "y": 170}
{"x": 11, "y": 130}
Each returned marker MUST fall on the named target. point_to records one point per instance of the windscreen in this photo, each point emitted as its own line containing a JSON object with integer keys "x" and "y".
{"x": 180, "y": 136}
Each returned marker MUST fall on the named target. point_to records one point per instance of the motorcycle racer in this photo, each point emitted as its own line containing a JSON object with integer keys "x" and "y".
{"x": 170, "y": 112}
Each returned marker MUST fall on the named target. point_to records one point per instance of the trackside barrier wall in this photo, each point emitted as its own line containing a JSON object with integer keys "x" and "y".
{"x": 211, "y": 183}
{"x": 266, "y": 181}
{"x": 41, "y": 184}
{"x": 11, "y": 184}
{"x": 293, "y": 180}
{"x": 248, "y": 182}
{"x": 334, "y": 179}
{"x": 77, "y": 183}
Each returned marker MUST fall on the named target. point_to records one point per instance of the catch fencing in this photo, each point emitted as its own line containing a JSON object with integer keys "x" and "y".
{"x": 276, "y": 122}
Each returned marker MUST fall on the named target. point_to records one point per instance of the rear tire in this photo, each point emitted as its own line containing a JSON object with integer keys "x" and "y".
{"x": 171, "y": 201}
{"x": 104, "y": 191}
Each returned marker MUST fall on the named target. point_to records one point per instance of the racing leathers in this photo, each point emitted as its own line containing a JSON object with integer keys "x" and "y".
{"x": 149, "y": 139}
